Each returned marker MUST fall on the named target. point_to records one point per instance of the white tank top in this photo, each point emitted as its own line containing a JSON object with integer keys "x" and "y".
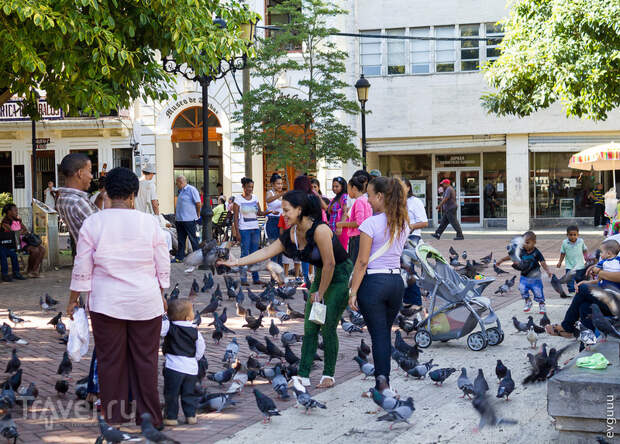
{"x": 248, "y": 210}
{"x": 275, "y": 206}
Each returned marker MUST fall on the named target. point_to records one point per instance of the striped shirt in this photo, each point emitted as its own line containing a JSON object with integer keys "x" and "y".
{"x": 74, "y": 207}
{"x": 599, "y": 197}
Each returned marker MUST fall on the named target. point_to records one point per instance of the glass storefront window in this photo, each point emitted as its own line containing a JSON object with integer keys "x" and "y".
{"x": 494, "y": 185}
{"x": 557, "y": 190}
{"x": 416, "y": 167}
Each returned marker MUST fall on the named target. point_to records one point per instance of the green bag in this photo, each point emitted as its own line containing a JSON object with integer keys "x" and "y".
{"x": 595, "y": 362}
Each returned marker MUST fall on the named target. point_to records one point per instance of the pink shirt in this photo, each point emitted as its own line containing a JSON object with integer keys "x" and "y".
{"x": 376, "y": 228}
{"x": 122, "y": 260}
{"x": 360, "y": 211}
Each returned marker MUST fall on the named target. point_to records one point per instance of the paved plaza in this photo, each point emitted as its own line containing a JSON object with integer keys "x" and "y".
{"x": 440, "y": 415}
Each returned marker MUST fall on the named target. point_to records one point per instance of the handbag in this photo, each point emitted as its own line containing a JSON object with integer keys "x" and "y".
{"x": 317, "y": 313}
{"x": 32, "y": 240}
{"x": 7, "y": 240}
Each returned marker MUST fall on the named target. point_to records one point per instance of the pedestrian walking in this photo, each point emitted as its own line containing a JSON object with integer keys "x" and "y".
{"x": 449, "y": 208}
{"x": 122, "y": 261}
{"x": 377, "y": 287}
{"x": 187, "y": 212}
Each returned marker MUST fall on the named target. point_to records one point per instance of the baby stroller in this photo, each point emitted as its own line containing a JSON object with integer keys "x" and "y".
{"x": 456, "y": 303}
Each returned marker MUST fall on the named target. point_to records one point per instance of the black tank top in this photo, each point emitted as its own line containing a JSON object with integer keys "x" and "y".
{"x": 311, "y": 253}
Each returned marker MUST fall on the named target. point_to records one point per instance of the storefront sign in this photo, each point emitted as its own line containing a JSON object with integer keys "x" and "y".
{"x": 500, "y": 187}
{"x": 457, "y": 160}
{"x": 19, "y": 176}
{"x": 12, "y": 110}
{"x": 184, "y": 103}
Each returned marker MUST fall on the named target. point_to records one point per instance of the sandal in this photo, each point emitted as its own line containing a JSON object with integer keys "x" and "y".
{"x": 557, "y": 330}
{"x": 326, "y": 382}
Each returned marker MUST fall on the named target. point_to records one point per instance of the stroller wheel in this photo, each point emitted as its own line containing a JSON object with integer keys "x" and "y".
{"x": 495, "y": 336}
{"x": 476, "y": 341}
{"x": 423, "y": 339}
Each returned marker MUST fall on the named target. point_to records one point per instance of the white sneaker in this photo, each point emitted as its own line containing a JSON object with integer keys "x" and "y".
{"x": 527, "y": 306}
{"x": 571, "y": 294}
{"x": 541, "y": 308}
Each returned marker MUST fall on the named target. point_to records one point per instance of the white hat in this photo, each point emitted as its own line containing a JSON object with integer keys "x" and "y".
{"x": 149, "y": 168}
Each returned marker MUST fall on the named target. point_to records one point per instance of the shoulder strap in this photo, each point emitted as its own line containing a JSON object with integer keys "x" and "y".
{"x": 381, "y": 251}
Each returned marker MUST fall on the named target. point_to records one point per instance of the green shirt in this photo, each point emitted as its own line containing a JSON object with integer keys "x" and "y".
{"x": 573, "y": 252}
{"x": 217, "y": 212}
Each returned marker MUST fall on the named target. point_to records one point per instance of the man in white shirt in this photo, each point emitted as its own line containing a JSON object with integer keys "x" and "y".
{"x": 146, "y": 200}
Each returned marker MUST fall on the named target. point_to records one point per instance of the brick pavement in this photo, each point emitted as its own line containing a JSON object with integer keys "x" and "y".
{"x": 56, "y": 419}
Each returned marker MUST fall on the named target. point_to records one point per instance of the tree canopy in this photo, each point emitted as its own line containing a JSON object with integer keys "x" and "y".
{"x": 301, "y": 123}
{"x": 94, "y": 56}
{"x": 558, "y": 50}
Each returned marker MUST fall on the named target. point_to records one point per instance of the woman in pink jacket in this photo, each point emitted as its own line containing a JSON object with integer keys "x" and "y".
{"x": 360, "y": 211}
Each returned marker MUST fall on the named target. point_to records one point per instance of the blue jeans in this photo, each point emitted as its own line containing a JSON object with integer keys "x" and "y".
{"x": 379, "y": 298}
{"x": 185, "y": 230}
{"x": 273, "y": 233}
{"x": 305, "y": 271}
{"x": 579, "y": 276}
{"x": 4, "y": 263}
{"x": 580, "y": 308}
{"x": 250, "y": 240}
{"x": 535, "y": 285}
{"x": 413, "y": 295}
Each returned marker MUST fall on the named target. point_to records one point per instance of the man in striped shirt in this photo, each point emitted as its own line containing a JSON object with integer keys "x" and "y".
{"x": 597, "y": 196}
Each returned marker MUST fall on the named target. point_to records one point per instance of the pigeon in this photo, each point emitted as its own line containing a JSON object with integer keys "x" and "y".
{"x": 506, "y": 286}
{"x": 365, "y": 347}
{"x": 506, "y": 386}
{"x": 544, "y": 365}
{"x": 350, "y": 327}
{"x": 366, "y": 368}
{"x": 256, "y": 346}
{"x": 55, "y": 319}
{"x": 383, "y": 398}
{"x": 260, "y": 306}
{"x": 305, "y": 400}
{"x": 253, "y": 323}
{"x": 464, "y": 384}
{"x": 487, "y": 259}
{"x": 480, "y": 383}
{"x": 151, "y": 433}
{"x": 498, "y": 271}
{"x": 241, "y": 311}
{"x": 602, "y": 323}
{"x": 420, "y": 371}
{"x": 203, "y": 365}
{"x": 215, "y": 402}
{"x": 500, "y": 369}
{"x": 282, "y": 316}
{"x": 217, "y": 293}
{"x": 210, "y": 308}
{"x": 61, "y": 328}
{"x": 7, "y": 397}
{"x": 112, "y": 434}
{"x": 240, "y": 378}
{"x": 28, "y": 394}
{"x": 14, "y": 319}
{"x": 411, "y": 351}
{"x": 487, "y": 413}
{"x": 557, "y": 286}
{"x": 8, "y": 428}
{"x": 361, "y": 354}
{"x": 224, "y": 316}
{"x": 407, "y": 364}
{"x": 586, "y": 336}
{"x": 265, "y": 405}
{"x": 514, "y": 248}
{"x": 239, "y": 297}
{"x": 290, "y": 338}
{"x": 44, "y": 305}
{"x": 464, "y": 254}
{"x": 62, "y": 386}
{"x": 50, "y": 300}
{"x": 441, "y": 374}
{"x": 290, "y": 357}
{"x": 232, "y": 350}
{"x": 520, "y": 326}
{"x": 356, "y": 317}
{"x": 608, "y": 296}
{"x": 280, "y": 384}
{"x": 8, "y": 336}
{"x": 567, "y": 277}
{"x": 252, "y": 296}
{"x": 401, "y": 413}
{"x": 273, "y": 330}
{"x": 217, "y": 334}
{"x": 14, "y": 363}
{"x": 197, "y": 319}
{"x": 232, "y": 294}
{"x": 15, "y": 380}
{"x": 454, "y": 261}
{"x": 544, "y": 321}
{"x": 221, "y": 377}
{"x": 452, "y": 251}
{"x": 207, "y": 281}
{"x": 293, "y": 313}
{"x": 195, "y": 288}
{"x": 174, "y": 294}
{"x": 272, "y": 349}
{"x": 65, "y": 366}
{"x": 532, "y": 337}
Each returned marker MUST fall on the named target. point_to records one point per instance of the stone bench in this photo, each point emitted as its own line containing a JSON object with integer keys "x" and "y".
{"x": 586, "y": 403}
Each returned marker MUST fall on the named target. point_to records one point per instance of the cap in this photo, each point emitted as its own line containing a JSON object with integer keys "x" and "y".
{"x": 445, "y": 181}
{"x": 149, "y": 168}
{"x": 375, "y": 173}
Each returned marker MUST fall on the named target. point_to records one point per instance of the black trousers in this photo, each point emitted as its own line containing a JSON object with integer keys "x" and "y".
{"x": 185, "y": 230}
{"x": 449, "y": 217}
{"x": 599, "y": 214}
{"x": 179, "y": 384}
{"x": 354, "y": 248}
{"x": 580, "y": 309}
{"x": 379, "y": 298}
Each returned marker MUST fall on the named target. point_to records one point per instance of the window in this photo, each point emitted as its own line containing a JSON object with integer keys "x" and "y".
{"x": 412, "y": 167}
{"x": 420, "y": 51}
{"x": 495, "y": 31}
{"x": 370, "y": 53}
{"x": 494, "y": 189}
{"x": 470, "y": 52}
{"x": 396, "y": 52}
{"x": 445, "y": 56}
{"x": 122, "y": 157}
{"x": 276, "y": 18}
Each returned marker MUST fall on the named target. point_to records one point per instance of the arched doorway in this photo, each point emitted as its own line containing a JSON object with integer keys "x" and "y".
{"x": 187, "y": 148}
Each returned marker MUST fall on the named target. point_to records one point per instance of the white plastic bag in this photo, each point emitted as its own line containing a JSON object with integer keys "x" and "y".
{"x": 77, "y": 345}
{"x": 317, "y": 313}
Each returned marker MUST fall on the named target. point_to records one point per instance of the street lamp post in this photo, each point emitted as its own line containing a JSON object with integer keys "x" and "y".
{"x": 362, "y": 86}
{"x": 223, "y": 67}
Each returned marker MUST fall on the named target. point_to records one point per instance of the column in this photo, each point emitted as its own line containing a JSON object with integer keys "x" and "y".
{"x": 517, "y": 182}
{"x": 164, "y": 178}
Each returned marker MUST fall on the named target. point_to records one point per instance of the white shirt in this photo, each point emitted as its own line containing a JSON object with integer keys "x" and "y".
{"x": 275, "y": 206}
{"x": 183, "y": 364}
{"x": 417, "y": 213}
{"x": 49, "y": 199}
{"x": 146, "y": 194}
{"x": 248, "y": 212}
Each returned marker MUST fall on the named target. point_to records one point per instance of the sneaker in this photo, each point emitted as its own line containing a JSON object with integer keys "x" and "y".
{"x": 303, "y": 285}
{"x": 571, "y": 294}
{"x": 171, "y": 422}
{"x": 18, "y": 276}
{"x": 191, "y": 420}
{"x": 541, "y": 308}
{"x": 527, "y": 306}
{"x": 459, "y": 238}
{"x": 436, "y": 236}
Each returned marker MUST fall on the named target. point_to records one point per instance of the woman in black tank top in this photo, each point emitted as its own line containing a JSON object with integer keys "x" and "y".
{"x": 309, "y": 239}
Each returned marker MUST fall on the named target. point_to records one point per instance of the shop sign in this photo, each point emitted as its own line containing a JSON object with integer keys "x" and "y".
{"x": 184, "y": 103}
{"x": 457, "y": 160}
{"x": 19, "y": 176}
{"x": 12, "y": 110}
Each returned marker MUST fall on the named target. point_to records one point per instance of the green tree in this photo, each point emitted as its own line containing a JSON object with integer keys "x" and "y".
{"x": 94, "y": 56}
{"x": 558, "y": 50}
{"x": 303, "y": 124}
